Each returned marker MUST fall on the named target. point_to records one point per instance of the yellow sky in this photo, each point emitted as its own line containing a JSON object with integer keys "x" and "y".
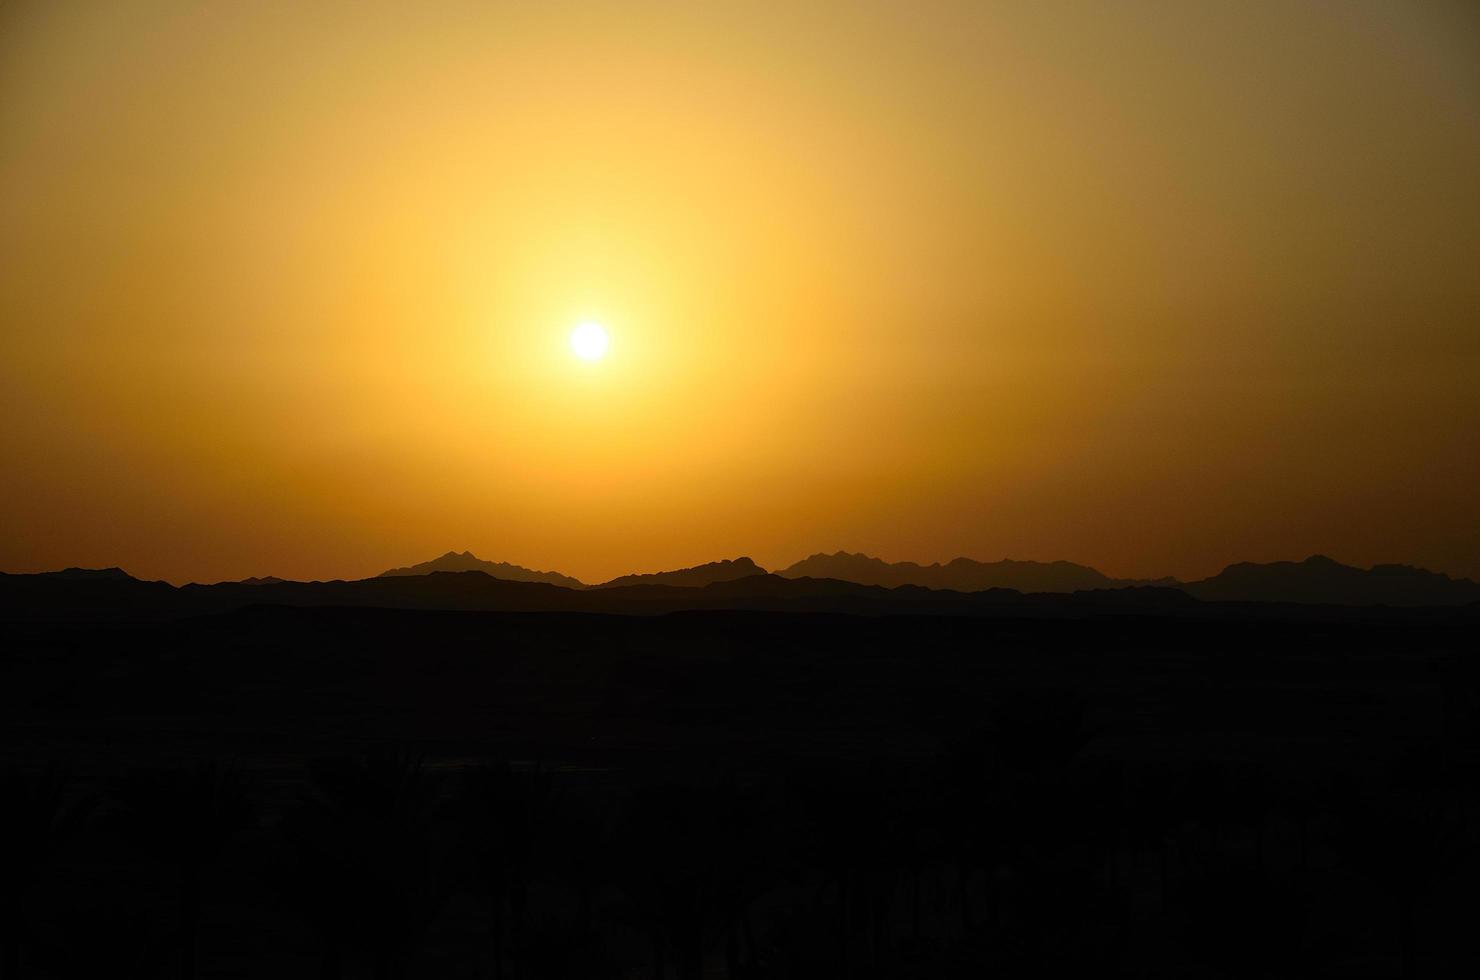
{"x": 285, "y": 288}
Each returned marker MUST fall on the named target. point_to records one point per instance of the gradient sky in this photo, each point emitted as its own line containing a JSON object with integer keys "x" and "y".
{"x": 285, "y": 288}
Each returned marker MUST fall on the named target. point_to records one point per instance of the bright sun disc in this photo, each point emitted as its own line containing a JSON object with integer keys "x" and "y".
{"x": 589, "y": 341}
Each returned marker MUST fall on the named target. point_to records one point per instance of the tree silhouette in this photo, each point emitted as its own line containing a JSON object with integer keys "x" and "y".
{"x": 186, "y": 818}
{"x": 1407, "y": 835}
{"x": 684, "y": 855}
{"x": 505, "y": 817}
{"x": 860, "y": 836}
{"x": 1239, "y": 922}
{"x": 37, "y": 819}
{"x": 361, "y": 871}
{"x": 101, "y": 938}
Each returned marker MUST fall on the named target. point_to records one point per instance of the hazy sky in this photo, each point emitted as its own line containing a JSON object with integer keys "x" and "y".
{"x": 285, "y": 288}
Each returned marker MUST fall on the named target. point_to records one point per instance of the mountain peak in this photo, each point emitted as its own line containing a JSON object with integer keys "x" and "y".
{"x": 958, "y": 574}
{"x": 112, "y": 573}
{"x": 1320, "y": 579}
{"x": 725, "y": 570}
{"x": 466, "y": 561}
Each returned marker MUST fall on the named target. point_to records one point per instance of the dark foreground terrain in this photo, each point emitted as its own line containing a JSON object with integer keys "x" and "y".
{"x": 362, "y": 792}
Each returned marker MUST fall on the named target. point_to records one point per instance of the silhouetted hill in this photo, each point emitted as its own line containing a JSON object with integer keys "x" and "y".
{"x": 49, "y": 598}
{"x": 52, "y": 598}
{"x": 85, "y": 594}
{"x": 264, "y": 580}
{"x": 113, "y": 574}
{"x": 1322, "y": 580}
{"x": 696, "y": 577}
{"x": 960, "y": 574}
{"x": 466, "y": 561}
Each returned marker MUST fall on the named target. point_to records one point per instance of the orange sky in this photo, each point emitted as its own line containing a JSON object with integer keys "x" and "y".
{"x": 285, "y": 288}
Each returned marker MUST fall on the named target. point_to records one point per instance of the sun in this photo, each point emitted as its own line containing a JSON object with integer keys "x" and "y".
{"x": 589, "y": 341}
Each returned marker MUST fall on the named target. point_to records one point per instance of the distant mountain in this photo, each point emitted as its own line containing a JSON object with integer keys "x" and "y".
{"x": 47, "y": 598}
{"x": 1315, "y": 589}
{"x": 85, "y": 595}
{"x": 114, "y": 574}
{"x": 1319, "y": 579}
{"x": 264, "y": 580}
{"x": 466, "y": 561}
{"x": 692, "y": 578}
{"x": 120, "y": 598}
{"x": 961, "y": 574}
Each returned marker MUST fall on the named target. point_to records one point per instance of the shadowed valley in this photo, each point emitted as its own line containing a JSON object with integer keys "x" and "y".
{"x": 442, "y": 774}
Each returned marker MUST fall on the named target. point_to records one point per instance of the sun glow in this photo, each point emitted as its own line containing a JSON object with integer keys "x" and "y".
{"x": 590, "y": 341}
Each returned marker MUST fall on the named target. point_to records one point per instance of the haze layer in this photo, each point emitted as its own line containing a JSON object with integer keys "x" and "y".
{"x": 286, "y": 288}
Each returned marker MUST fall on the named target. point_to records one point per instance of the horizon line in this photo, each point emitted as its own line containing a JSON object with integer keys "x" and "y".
{"x": 772, "y": 570}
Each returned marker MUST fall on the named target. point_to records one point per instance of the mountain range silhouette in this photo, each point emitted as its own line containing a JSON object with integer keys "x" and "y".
{"x": 666, "y": 756}
{"x": 960, "y": 574}
{"x": 1317, "y": 579}
{"x": 1278, "y": 589}
{"x": 697, "y": 577}
{"x": 466, "y": 561}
